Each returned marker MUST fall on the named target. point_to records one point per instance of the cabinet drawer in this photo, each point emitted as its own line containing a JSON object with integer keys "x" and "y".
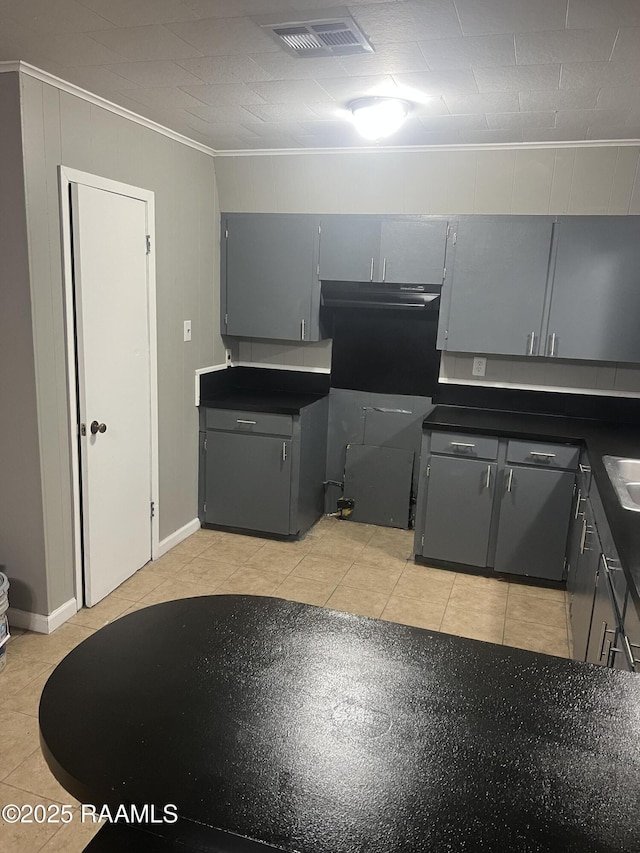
{"x": 475, "y": 446}
{"x": 548, "y": 455}
{"x": 264, "y": 423}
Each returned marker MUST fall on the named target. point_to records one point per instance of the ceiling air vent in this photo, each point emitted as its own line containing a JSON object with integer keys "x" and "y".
{"x": 335, "y": 37}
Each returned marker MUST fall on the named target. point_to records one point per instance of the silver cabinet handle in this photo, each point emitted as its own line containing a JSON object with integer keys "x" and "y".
{"x": 583, "y": 538}
{"x": 302, "y": 328}
{"x": 428, "y": 471}
{"x": 578, "y": 501}
{"x": 584, "y": 469}
{"x": 540, "y": 453}
{"x": 461, "y": 444}
{"x": 510, "y": 480}
{"x": 241, "y": 421}
{"x": 371, "y": 273}
{"x": 630, "y": 655}
{"x": 606, "y": 563}
{"x": 531, "y": 342}
{"x": 384, "y": 268}
{"x": 284, "y": 451}
{"x": 551, "y": 345}
{"x": 488, "y": 476}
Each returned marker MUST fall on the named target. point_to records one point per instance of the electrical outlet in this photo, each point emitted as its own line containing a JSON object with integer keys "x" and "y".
{"x": 227, "y": 354}
{"x": 187, "y": 330}
{"x": 479, "y": 366}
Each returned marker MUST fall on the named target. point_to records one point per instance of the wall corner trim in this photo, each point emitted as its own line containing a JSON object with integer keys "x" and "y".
{"x": 178, "y": 536}
{"x": 200, "y": 371}
{"x": 39, "y": 622}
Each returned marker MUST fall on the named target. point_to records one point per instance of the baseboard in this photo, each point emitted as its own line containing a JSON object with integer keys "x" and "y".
{"x": 38, "y": 621}
{"x": 178, "y": 536}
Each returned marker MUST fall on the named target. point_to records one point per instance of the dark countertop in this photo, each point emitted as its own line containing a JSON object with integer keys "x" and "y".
{"x": 277, "y": 402}
{"x": 322, "y": 732}
{"x": 600, "y": 438}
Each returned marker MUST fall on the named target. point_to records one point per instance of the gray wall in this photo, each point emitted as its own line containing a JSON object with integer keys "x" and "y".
{"x": 59, "y": 128}
{"x": 527, "y": 181}
{"x": 22, "y": 549}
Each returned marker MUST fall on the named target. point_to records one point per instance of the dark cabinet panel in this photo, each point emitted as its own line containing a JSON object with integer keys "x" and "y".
{"x": 458, "y": 510}
{"x": 534, "y": 522}
{"x": 595, "y": 301}
{"x": 498, "y": 285}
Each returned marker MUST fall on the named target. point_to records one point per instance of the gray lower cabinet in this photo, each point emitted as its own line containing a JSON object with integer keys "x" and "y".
{"x": 604, "y": 623}
{"x": 248, "y": 481}
{"x": 495, "y": 502}
{"x": 263, "y": 472}
{"x": 269, "y": 276}
{"x": 494, "y": 297}
{"x": 459, "y": 502}
{"x": 401, "y": 250}
{"x": 534, "y": 521}
{"x": 595, "y": 300}
{"x": 631, "y": 637}
{"x": 581, "y": 583}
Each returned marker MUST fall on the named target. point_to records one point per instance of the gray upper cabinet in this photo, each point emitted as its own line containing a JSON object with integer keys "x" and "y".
{"x": 595, "y": 301}
{"x": 270, "y": 286}
{"x": 349, "y": 248}
{"x": 496, "y": 297}
{"x": 399, "y": 250}
{"x": 534, "y": 522}
{"x": 413, "y": 251}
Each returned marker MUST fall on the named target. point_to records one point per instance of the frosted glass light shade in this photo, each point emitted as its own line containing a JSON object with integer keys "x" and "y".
{"x": 377, "y": 117}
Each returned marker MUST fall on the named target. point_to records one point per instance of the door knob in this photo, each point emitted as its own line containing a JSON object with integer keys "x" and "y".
{"x": 96, "y": 427}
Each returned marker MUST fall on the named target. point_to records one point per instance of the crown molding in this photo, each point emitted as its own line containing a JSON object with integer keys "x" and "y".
{"x": 77, "y": 91}
{"x": 72, "y": 89}
{"x": 414, "y": 149}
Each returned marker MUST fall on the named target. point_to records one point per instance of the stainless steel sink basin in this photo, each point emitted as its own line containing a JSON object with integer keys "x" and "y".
{"x": 625, "y": 477}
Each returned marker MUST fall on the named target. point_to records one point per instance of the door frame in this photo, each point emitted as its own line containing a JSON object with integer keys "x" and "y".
{"x": 68, "y": 176}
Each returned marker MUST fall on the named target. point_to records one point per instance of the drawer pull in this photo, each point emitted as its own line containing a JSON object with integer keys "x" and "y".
{"x": 541, "y": 454}
{"x": 464, "y": 444}
{"x": 241, "y": 421}
{"x": 284, "y": 451}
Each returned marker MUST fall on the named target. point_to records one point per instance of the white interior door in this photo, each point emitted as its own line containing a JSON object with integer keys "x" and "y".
{"x": 113, "y": 368}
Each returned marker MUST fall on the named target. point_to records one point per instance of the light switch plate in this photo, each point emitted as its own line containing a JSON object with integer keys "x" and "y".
{"x": 187, "y": 330}
{"x": 479, "y": 366}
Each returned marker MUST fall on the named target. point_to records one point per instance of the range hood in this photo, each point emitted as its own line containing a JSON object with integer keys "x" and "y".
{"x": 354, "y": 294}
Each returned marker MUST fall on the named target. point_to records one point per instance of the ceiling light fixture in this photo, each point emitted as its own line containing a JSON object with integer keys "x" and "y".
{"x": 377, "y": 117}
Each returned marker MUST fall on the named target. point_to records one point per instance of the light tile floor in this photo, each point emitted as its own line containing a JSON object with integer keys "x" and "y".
{"x": 356, "y": 568}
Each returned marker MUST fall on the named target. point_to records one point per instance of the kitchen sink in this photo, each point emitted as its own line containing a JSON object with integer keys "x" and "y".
{"x": 625, "y": 477}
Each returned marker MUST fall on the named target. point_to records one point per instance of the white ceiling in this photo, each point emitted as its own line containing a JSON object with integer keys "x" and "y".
{"x": 477, "y": 71}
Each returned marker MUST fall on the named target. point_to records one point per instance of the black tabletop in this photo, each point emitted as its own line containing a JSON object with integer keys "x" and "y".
{"x": 322, "y": 732}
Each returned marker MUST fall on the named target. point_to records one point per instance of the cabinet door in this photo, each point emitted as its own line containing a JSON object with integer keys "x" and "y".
{"x": 595, "y": 302}
{"x": 271, "y": 262}
{"x": 413, "y": 251}
{"x": 604, "y": 628}
{"x": 248, "y": 481}
{"x": 350, "y": 248}
{"x": 534, "y": 522}
{"x": 584, "y": 585}
{"x": 498, "y": 285}
{"x": 458, "y": 511}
